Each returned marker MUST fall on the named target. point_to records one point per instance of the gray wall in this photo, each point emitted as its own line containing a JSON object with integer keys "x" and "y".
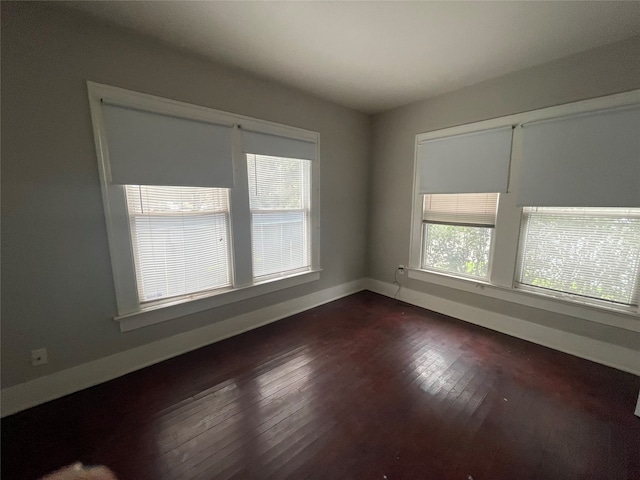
{"x": 602, "y": 71}
{"x": 57, "y": 287}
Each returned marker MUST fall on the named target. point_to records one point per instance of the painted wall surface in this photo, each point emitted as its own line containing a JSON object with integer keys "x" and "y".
{"x": 57, "y": 286}
{"x": 602, "y": 71}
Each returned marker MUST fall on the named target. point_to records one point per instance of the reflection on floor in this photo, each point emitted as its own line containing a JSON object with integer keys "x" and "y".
{"x": 364, "y": 387}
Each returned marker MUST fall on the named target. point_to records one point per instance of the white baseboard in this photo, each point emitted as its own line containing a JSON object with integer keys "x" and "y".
{"x": 35, "y": 392}
{"x": 598, "y": 351}
{"x": 638, "y": 406}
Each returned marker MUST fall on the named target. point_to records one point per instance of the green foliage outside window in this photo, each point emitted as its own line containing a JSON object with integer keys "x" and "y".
{"x": 595, "y": 257}
{"x": 457, "y": 249}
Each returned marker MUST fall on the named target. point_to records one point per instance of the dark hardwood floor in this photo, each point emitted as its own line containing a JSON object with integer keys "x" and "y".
{"x": 365, "y": 388}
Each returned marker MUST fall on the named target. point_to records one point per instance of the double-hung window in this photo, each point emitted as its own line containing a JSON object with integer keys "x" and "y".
{"x": 457, "y": 232}
{"x": 544, "y": 206}
{"x": 203, "y": 207}
{"x": 280, "y": 202}
{"x": 459, "y": 178}
{"x": 579, "y": 184}
{"x": 584, "y": 253}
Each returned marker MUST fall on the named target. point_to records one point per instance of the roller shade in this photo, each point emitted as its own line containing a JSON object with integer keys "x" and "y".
{"x": 587, "y": 160}
{"x": 277, "y": 146}
{"x": 466, "y": 209}
{"x": 147, "y": 148}
{"x": 471, "y": 163}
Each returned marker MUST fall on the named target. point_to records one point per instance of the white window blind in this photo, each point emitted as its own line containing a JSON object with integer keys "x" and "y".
{"x": 180, "y": 238}
{"x": 280, "y": 197}
{"x": 147, "y": 148}
{"x": 472, "y": 162}
{"x": 470, "y": 209}
{"x": 585, "y": 252}
{"x": 586, "y": 160}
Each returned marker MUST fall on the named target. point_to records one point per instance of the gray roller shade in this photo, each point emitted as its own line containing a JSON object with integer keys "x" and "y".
{"x": 147, "y": 148}
{"x": 586, "y": 160}
{"x": 470, "y": 163}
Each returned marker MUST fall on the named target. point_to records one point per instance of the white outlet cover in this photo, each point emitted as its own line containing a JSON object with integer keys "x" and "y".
{"x": 39, "y": 357}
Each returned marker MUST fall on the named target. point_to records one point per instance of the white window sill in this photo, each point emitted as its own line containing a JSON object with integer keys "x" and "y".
{"x": 627, "y": 320}
{"x": 150, "y": 315}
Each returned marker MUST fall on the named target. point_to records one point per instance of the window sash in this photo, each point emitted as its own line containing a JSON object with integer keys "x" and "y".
{"x": 180, "y": 238}
{"x": 481, "y": 265}
{"x": 597, "y": 253}
{"x": 288, "y": 253}
{"x": 280, "y": 223}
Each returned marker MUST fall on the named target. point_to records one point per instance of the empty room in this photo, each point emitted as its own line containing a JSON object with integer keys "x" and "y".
{"x": 320, "y": 240}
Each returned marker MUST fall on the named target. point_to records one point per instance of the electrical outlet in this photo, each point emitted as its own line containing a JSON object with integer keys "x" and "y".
{"x": 39, "y": 357}
{"x": 401, "y": 269}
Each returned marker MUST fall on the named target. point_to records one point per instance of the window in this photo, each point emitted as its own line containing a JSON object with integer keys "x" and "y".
{"x": 180, "y": 239}
{"x": 203, "y": 207}
{"x": 588, "y": 253}
{"x": 562, "y": 233}
{"x": 457, "y": 232}
{"x": 280, "y": 196}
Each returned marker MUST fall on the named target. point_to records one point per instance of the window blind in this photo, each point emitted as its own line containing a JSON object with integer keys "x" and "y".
{"x": 587, "y": 252}
{"x": 147, "y": 148}
{"x": 277, "y": 146}
{"x": 475, "y": 162}
{"x": 586, "y": 160}
{"x": 465, "y": 209}
{"x": 280, "y": 197}
{"x": 180, "y": 239}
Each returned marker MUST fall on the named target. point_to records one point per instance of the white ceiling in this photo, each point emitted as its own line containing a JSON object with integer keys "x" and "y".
{"x": 373, "y": 56}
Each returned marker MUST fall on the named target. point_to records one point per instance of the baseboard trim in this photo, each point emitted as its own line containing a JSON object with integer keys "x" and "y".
{"x": 43, "y": 389}
{"x": 598, "y": 351}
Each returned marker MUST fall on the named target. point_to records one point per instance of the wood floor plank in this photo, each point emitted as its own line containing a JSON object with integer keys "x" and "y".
{"x": 363, "y": 387}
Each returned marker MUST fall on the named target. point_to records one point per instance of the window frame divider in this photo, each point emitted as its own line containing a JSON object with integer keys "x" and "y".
{"x": 240, "y": 218}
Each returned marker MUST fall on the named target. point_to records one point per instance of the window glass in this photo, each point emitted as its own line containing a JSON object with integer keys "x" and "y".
{"x": 457, "y": 249}
{"x": 586, "y": 252}
{"x": 457, "y": 232}
{"x": 180, "y": 239}
{"x": 279, "y": 195}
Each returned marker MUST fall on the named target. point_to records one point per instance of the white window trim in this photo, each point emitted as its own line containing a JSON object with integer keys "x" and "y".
{"x": 502, "y": 268}
{"x": 195, "y": 303}
{"x": 131, "y": 314}
{"x": 616, "y": 318}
